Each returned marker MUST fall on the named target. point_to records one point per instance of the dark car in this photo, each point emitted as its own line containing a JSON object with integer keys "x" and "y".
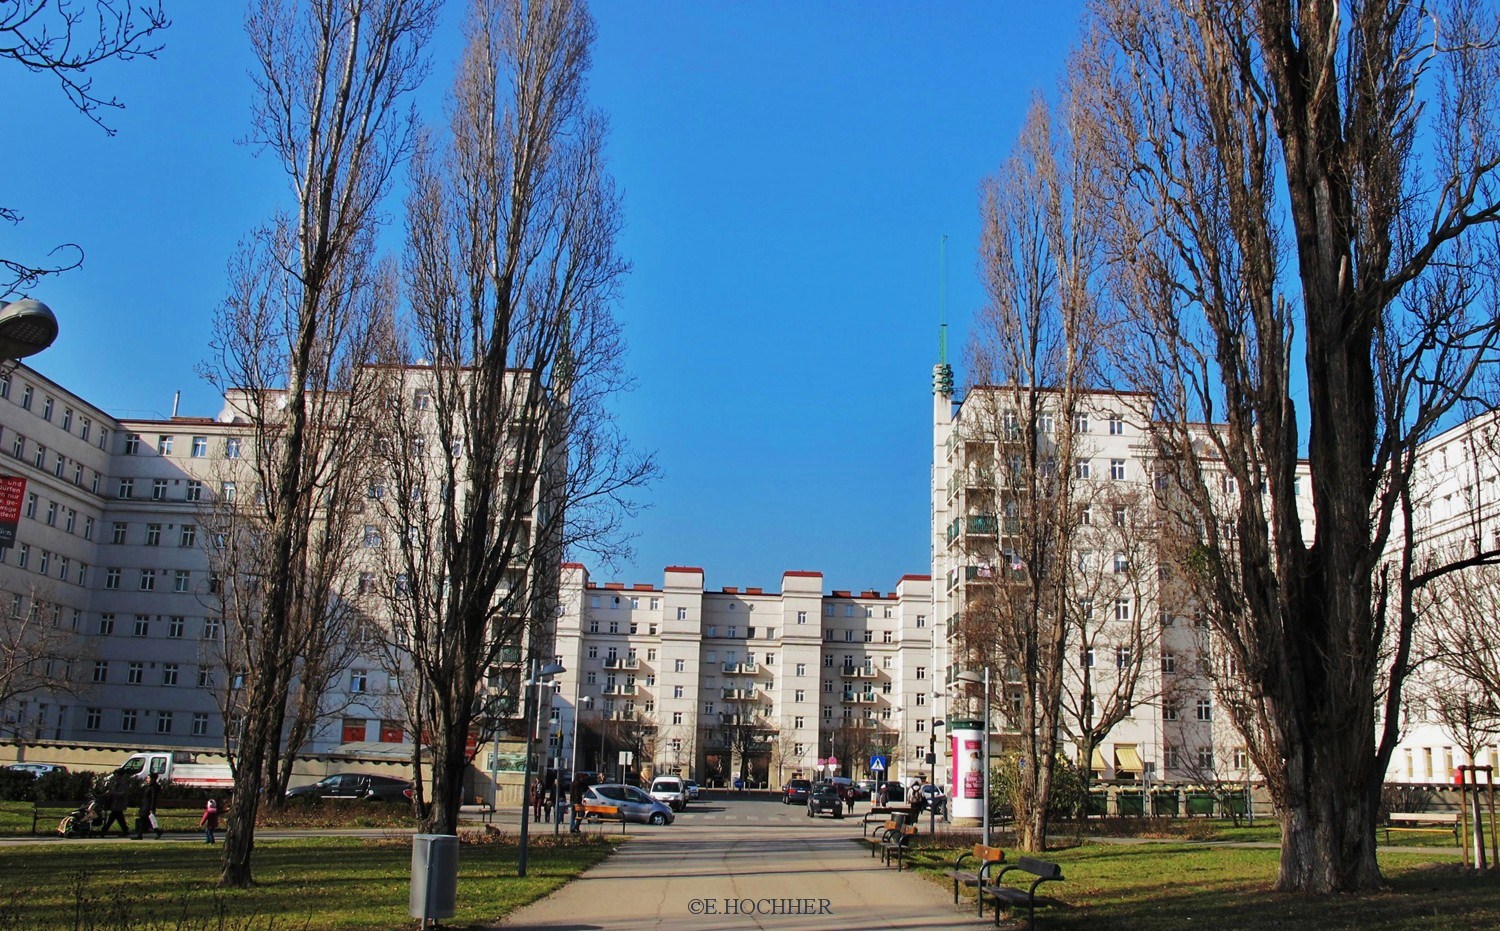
{"x": 895, "y": 792}
{"x": 796, "y": 791}
{"x": 358, "y": 786}
{"x": 825, "y": 797}
{"x": 37, "y": 769}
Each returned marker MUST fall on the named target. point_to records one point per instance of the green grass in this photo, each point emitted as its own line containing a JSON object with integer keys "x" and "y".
{"x": 15, "y": 817}
{"x": 1171, "y": 885}
{"x": 321, "y": 884}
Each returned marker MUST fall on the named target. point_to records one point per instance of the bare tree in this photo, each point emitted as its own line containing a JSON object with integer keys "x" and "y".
{"x": 306, "y": 306}
{"x": 68, "y": 39}
{"x": 1033, "y": 358}
{"x": 502, "y": 455}
{"x": 38, "y": 655}
{"x": 1322, "y": 174}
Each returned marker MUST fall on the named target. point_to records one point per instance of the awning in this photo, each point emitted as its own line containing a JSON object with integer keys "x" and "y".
{"x": 1126, "y": 759}
{"x": 1096, "y": 762}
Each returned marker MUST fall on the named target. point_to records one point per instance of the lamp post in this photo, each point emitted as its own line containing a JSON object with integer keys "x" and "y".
{"x": 971, "y": 676}
{"x": 533, "y": 702}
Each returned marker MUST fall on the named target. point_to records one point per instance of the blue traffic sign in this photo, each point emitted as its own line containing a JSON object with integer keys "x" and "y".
{"x": 877, "y": 764}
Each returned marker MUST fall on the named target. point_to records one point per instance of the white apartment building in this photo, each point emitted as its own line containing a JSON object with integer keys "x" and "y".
{"x": 112, "y": 550}
{"x": 715, "y": 684}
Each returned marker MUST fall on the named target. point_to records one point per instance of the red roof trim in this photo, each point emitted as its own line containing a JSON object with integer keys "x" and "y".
{"x": 916, "y": 578}
{"x": 802, "y": 574}
{"x": 683, "y": 569}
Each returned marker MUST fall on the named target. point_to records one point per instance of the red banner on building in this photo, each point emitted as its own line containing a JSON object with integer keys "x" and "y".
{"x": 12, "y": 493}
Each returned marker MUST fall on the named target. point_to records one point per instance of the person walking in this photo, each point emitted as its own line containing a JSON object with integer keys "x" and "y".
{"x": 117, "y": 800}
{"x": 145, "y": 816}
{"x": 210, "y": 821}
{"x": 575, "y": 798}
{"x": 536, "y": 800}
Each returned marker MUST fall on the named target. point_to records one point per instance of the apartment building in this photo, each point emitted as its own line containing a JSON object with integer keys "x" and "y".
{"x": 740, "y": 681}
{"x": 113, "y": 553}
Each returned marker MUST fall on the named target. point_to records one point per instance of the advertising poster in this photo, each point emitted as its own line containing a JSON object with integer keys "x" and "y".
{"x": 12, "y": 493}
{"x": 966, "y": 786}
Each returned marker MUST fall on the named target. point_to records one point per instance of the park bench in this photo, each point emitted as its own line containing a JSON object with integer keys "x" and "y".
{"x": 591, "y": 813}
{"x": 895, "y": 842}
{"x": 987, "y": 857}
{"x": 1411, "y": 820}
{"x": 878, "y": 815}
{"x": 1008, "y": 898}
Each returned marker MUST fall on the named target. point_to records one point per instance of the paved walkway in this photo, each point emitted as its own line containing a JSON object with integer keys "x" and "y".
{"x": 746, "y": 864}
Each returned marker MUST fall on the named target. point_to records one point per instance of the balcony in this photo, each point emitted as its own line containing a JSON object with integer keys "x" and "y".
{"x": 510, "y": 654}
{"x": 859, "y": 672}
{"x": 859, "y": 698}
{"x": 975, "y": 525}
{"x": 620, "y": 690}
{"x": 629, "y": 662}
{"x": 621, "y": 716}
{"x": 741, "y": 669}
{"x": 738, "y": 694}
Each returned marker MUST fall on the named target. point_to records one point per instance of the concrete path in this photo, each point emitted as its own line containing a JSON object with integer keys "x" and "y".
{"x": 747, "y": 863}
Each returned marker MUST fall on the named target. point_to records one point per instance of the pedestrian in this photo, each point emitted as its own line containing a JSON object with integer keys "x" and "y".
{"x": 849, "y": 799}
{"x": 117, "y": 799}
{"x": 536, "y": 801}
{"x": 739, "y": 784}
{"x": 575, "y": 798}
{"x": 882, "y": 795}
{"x": 210, "y": 821}
{"x": 145, "y": 816}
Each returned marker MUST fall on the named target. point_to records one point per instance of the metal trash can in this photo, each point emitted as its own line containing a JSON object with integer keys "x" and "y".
{"x": 434, "y": 876}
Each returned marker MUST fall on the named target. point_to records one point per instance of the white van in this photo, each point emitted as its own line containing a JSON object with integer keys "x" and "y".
{"x": 671, "y": 791}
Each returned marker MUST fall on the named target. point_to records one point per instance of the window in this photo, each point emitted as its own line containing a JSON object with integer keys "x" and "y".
{"x": 153, "y": 534}
{"x": 106, "y": 624}
{"x": 1204, "y": 710}
{"x": 118, "y": 534}
{"x": 168, "y": 673}
{"x": 101, "y": 671}
{"x": 708, "y": 708}
{"x": 358, "y": 680}
{"x": 200, "y": 724}
{"x": 42, "y": 563}
{"x": 57, "y": 467}
{"x": 127, "y": 720}
{"x": 91, "y": 719}
{"x": 164, "y": 445}
{"x": 111, "y": 579}
{"x": 422, "y": 399}
{"x": 127, "y": 488}
{"x": 676, "y": 691}
{"x": 1088, "y": 657}
{"x": 371, "y": 535}
{"x": 31, "y": 505}
{"x": 921, "y": 620}
{"x": 921, "y": 698}
{"x": 194, "y": 491}
{"x": 1118, "y": 515}
{"x": 1206, "y": 758}
{"x": 142, "y": 625}
{"x": 78, "y": 474}
{"x": 1080, "y": 423}
{"x": 181, "y": 580}
{"x": 51, "y": 513}
{"x": 164, "y": 722}
{"x": 175, "y": 626}
{"x": 682, "y": 614}
{"x": 84, "y": 425}
{"x": 188, "y": 535}
{"x": 232, "y": 447}
{"x": 1168, "y": 662}
{"x": 921, "y": 672}
{"x": 1122, "y": 609}
{"x": 71, "y": 521}
{"x": 135, "y": 673}
{"x": 1117, "y": 469}
{"x": 1116, "y": 426}
{"x": 159, "y": 489}
{"x": 1122, "y": 562}
{"x": 148, "y": 580}
{"x": 1122, "y": 658}
{"x": 1082, "y": 468}
{"x": 132, "y": 444}
{"x": 210, "y": 628}
{"x": 849, "y": 636}
{"x": 94, "y": 483}
{"x": 679, "y": 665}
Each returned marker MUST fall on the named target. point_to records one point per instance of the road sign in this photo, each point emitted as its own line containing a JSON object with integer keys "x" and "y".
{"x": 877, "y": 764}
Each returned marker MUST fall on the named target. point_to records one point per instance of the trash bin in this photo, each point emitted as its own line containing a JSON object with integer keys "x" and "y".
{"x": 1098, "y": 804}
{"x": 1200, "y": 803}
{"x": 434, "y": 876}
{"x": 1164, "y": 803}
{"x": 1132, "y": 804}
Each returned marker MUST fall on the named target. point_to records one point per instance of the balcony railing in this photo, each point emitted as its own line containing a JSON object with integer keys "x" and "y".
{"x": 739, "y": 694}
{"x": 741, "y": 669}
{"x": 859, "y": 698}
{"x": 860, "y": 672}
{"x": 620, "y": 690}
{"x": 628, "y": 662}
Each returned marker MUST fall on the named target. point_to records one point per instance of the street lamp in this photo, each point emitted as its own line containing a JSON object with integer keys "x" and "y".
{"x": 27, "y": 327}
{"x": 971, "y": 676}
{"x": 533, "y": 703}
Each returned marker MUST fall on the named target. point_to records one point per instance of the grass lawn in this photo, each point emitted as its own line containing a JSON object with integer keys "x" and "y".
{"x": 1180, "y": 885}
{"x": 313, "y": 883}
{"x": 16, "y": 817}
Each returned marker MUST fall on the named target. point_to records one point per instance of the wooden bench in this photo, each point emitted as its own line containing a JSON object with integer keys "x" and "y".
{"x": 877, "y": 815}
{"x": 1011, "y": 897}
{"x": 1399, "y": 820}
{"x": 895, "y": 842}
{"x": 598, "y": 814}
{"x": 987, "y": 857}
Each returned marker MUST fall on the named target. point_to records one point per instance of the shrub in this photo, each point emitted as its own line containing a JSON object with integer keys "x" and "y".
{"x": 17, "y": 786}
{"x": 67, "y": 787}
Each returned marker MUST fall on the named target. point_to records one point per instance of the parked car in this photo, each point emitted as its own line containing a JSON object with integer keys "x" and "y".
{"x": 866, "y": 788}
{"x": 937, "y": 799}
{"x": 670, "y": 790}
{"x": 360, "y": 786}
{"x": 825, "y": 797}
{"x": 692, "y": 788}
{"x": 37, "y": 769}
{"x": 634, "y": 804}
{"x": 796, "y": 791}
{"x": 895, "y": 792}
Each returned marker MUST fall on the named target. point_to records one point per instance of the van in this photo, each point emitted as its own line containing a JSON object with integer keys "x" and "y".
{"x": 670, "y": 791}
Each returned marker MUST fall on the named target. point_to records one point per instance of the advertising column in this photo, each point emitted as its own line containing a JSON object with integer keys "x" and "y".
{"x": 966, "y": 779}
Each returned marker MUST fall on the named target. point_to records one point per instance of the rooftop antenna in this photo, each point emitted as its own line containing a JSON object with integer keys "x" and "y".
{"x": 942, "y": 373}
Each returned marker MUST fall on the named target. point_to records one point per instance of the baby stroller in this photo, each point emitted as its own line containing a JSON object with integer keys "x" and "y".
{"x": 82, "y": 821}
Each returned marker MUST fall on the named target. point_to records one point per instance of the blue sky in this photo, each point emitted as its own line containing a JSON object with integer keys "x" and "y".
{"x": 788, "y": 171}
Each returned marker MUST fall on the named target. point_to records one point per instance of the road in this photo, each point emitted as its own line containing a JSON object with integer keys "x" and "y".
{"x": 746, "y": 863}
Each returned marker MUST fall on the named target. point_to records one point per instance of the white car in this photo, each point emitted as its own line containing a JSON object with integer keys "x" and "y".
{"x": 692, "y": 788}
{"x": 670, "y": 791}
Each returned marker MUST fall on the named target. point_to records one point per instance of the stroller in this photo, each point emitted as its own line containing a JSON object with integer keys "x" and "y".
{"x": 82, "y": 821}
